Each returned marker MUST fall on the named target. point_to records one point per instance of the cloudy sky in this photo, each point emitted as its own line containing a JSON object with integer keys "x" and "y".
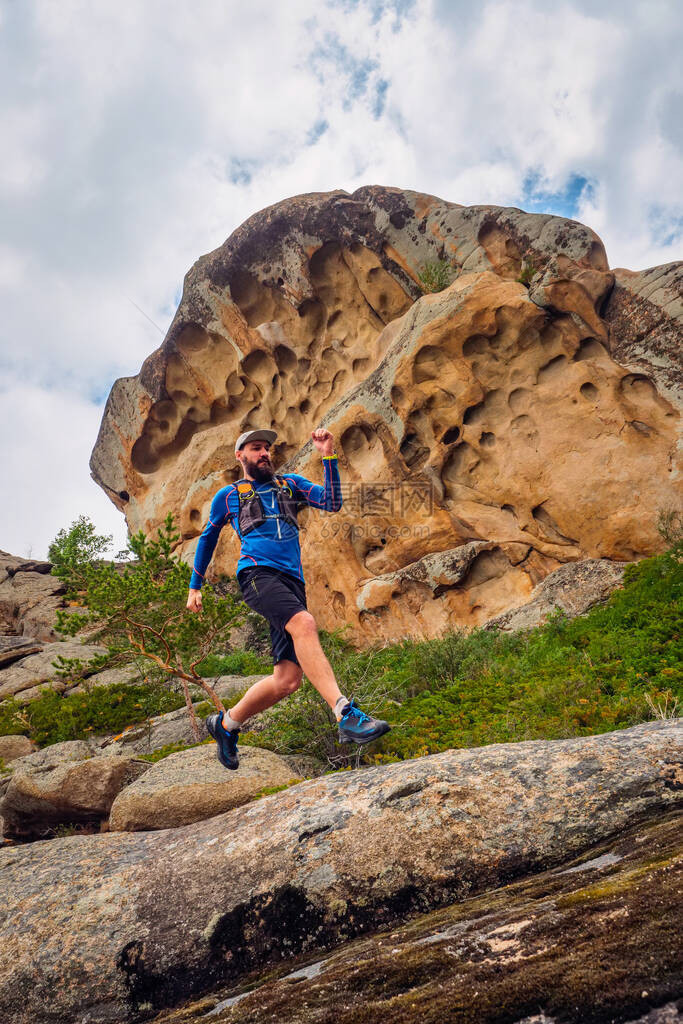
{"x": 137, "y": 136}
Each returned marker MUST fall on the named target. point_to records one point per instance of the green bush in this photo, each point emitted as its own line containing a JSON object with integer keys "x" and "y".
{"x": 237, "y": 663}
{"x": 570, "y": 677}
{"x": 77, "y": 546}
{"x": 437, "y": 275}
{"x": 527, "y": 272}
{"x": 52, "y": 718}
{"x": 170, "y": 748}
{"x": 13, "y": 721}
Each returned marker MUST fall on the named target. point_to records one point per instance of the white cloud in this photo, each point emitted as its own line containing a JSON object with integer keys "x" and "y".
{"x": 45, "y": 468}
{"x": 137, "y": 136}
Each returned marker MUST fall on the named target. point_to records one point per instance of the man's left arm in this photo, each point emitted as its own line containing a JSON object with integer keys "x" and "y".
{"x": 329, "y": 496}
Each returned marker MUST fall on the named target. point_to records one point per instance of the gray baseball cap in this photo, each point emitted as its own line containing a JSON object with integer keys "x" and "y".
{"x": 254, "y": 435}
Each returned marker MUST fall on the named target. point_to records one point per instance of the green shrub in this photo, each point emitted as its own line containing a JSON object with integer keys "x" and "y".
{"x": 527, "y": 272}
{"x": 104, "y": 710}
{"x": 606, "y": 670}
{"x": 77, "y": 546}
{"x": 237, "y": 663}
{"x": 170, "y": 748}
{"x": 437, "y": 275}
{"x": 13, "y": 718}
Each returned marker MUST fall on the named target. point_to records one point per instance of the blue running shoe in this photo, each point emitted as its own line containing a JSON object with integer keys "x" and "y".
{"x": 357, "y": 727}
{"x": 225, "y": 741}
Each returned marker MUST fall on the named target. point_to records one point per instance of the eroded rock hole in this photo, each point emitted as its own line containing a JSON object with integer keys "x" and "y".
{"x": 474, "y": 414}
{"x": 590, "y": 348}
{"x": 641, "y": 427}
{"x": 285, "y": 359}
{"x": 637, "y": 386}
{"x": 519, "y": 400}
{"x": 451, "y": 435}
{"x": 412, "y": 449}
{"x": 476, "y": 345}
{"x": 549, "y": 527}
{"x": 428, "y": 365}
{"x": 552, "y": 370}
{"x": 487, "y": 439}
{"x": 462, "y": 461}
{"x": 589, "y": 391}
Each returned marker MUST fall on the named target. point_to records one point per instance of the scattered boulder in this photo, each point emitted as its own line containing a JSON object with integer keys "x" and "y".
{"x": 38, "y": 799}
{"x": 128, "y": 674}
{"x": 12, "y": 747}
{"x": 157, "y": 732}
{"x": 192, "y": 785}
{"x": 573, "y": 588}
{"x": 14, "y": 647}
{"x": 24, "y": 678}
{"x": 29, "y": 597}
{"x": 118, "y": 926}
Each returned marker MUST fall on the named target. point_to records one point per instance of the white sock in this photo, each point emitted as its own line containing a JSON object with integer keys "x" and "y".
{"x": 229, "y": 723}
{"x": 339, "y": 706}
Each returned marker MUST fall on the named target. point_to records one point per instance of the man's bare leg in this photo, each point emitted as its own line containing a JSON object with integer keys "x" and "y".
{"x": 304, "y": 633}
{"x": 285, "y": 679}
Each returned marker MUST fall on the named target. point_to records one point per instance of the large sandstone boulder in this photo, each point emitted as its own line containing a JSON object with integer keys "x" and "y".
{"x": 192, "y": 785}
{"x": 114, "y": 927}
{"x": 38, "y": 799}
{"x": 487, "y": 434}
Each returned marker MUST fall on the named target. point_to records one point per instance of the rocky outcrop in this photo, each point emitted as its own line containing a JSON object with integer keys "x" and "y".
{"x": 573, "y": 589}
{"x": 114, "y": 927}
{"x": 487, "y": 434}
{"x": 24, "y": 679}
{"x": 192, "y": 785}
{"x": 29, "y": 599}
{"x": 644, "y": 315}
{"x": 12, "y": 747}
{"x": 40, "y": 798}
{"x": 594, "y": 940}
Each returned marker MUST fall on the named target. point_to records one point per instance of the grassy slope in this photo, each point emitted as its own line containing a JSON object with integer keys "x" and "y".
{"x": 567, "y": 678}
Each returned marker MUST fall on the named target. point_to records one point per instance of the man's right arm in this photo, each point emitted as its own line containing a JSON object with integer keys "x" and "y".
{"x": 206, "y": 546}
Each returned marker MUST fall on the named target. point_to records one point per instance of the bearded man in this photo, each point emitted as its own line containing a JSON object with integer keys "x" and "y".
{"x": 262, "y": 510}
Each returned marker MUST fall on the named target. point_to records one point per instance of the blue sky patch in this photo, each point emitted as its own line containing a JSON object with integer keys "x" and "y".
{"x": 564, "y": 203}
{"x": 316, "y": 132}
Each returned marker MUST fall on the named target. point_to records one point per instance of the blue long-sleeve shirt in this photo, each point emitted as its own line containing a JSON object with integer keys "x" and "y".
{"x": 275, "y": 542}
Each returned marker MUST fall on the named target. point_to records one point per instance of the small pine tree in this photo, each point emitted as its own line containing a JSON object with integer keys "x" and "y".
{"x": 138, "y": 609}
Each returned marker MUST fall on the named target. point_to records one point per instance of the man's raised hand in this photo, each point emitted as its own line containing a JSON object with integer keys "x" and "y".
{"x": 194, "y": 601}
{"x": 323, "y": 440}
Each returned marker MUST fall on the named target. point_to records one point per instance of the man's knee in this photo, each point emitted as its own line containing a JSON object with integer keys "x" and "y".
{"x": 301, "y": 623}
{"x": 287, "y": 677}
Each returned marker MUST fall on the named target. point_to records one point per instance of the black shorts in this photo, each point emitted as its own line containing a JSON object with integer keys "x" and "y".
{"x": 276, "y": 596}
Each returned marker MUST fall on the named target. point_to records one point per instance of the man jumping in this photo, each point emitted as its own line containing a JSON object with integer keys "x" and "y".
{"x": 262, "y": 510}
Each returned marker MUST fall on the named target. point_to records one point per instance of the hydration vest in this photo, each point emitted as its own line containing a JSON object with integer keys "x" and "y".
{"x": 251, "y": 511}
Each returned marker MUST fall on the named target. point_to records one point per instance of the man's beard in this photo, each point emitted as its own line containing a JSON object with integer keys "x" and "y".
{"x": 260, "y": 471}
